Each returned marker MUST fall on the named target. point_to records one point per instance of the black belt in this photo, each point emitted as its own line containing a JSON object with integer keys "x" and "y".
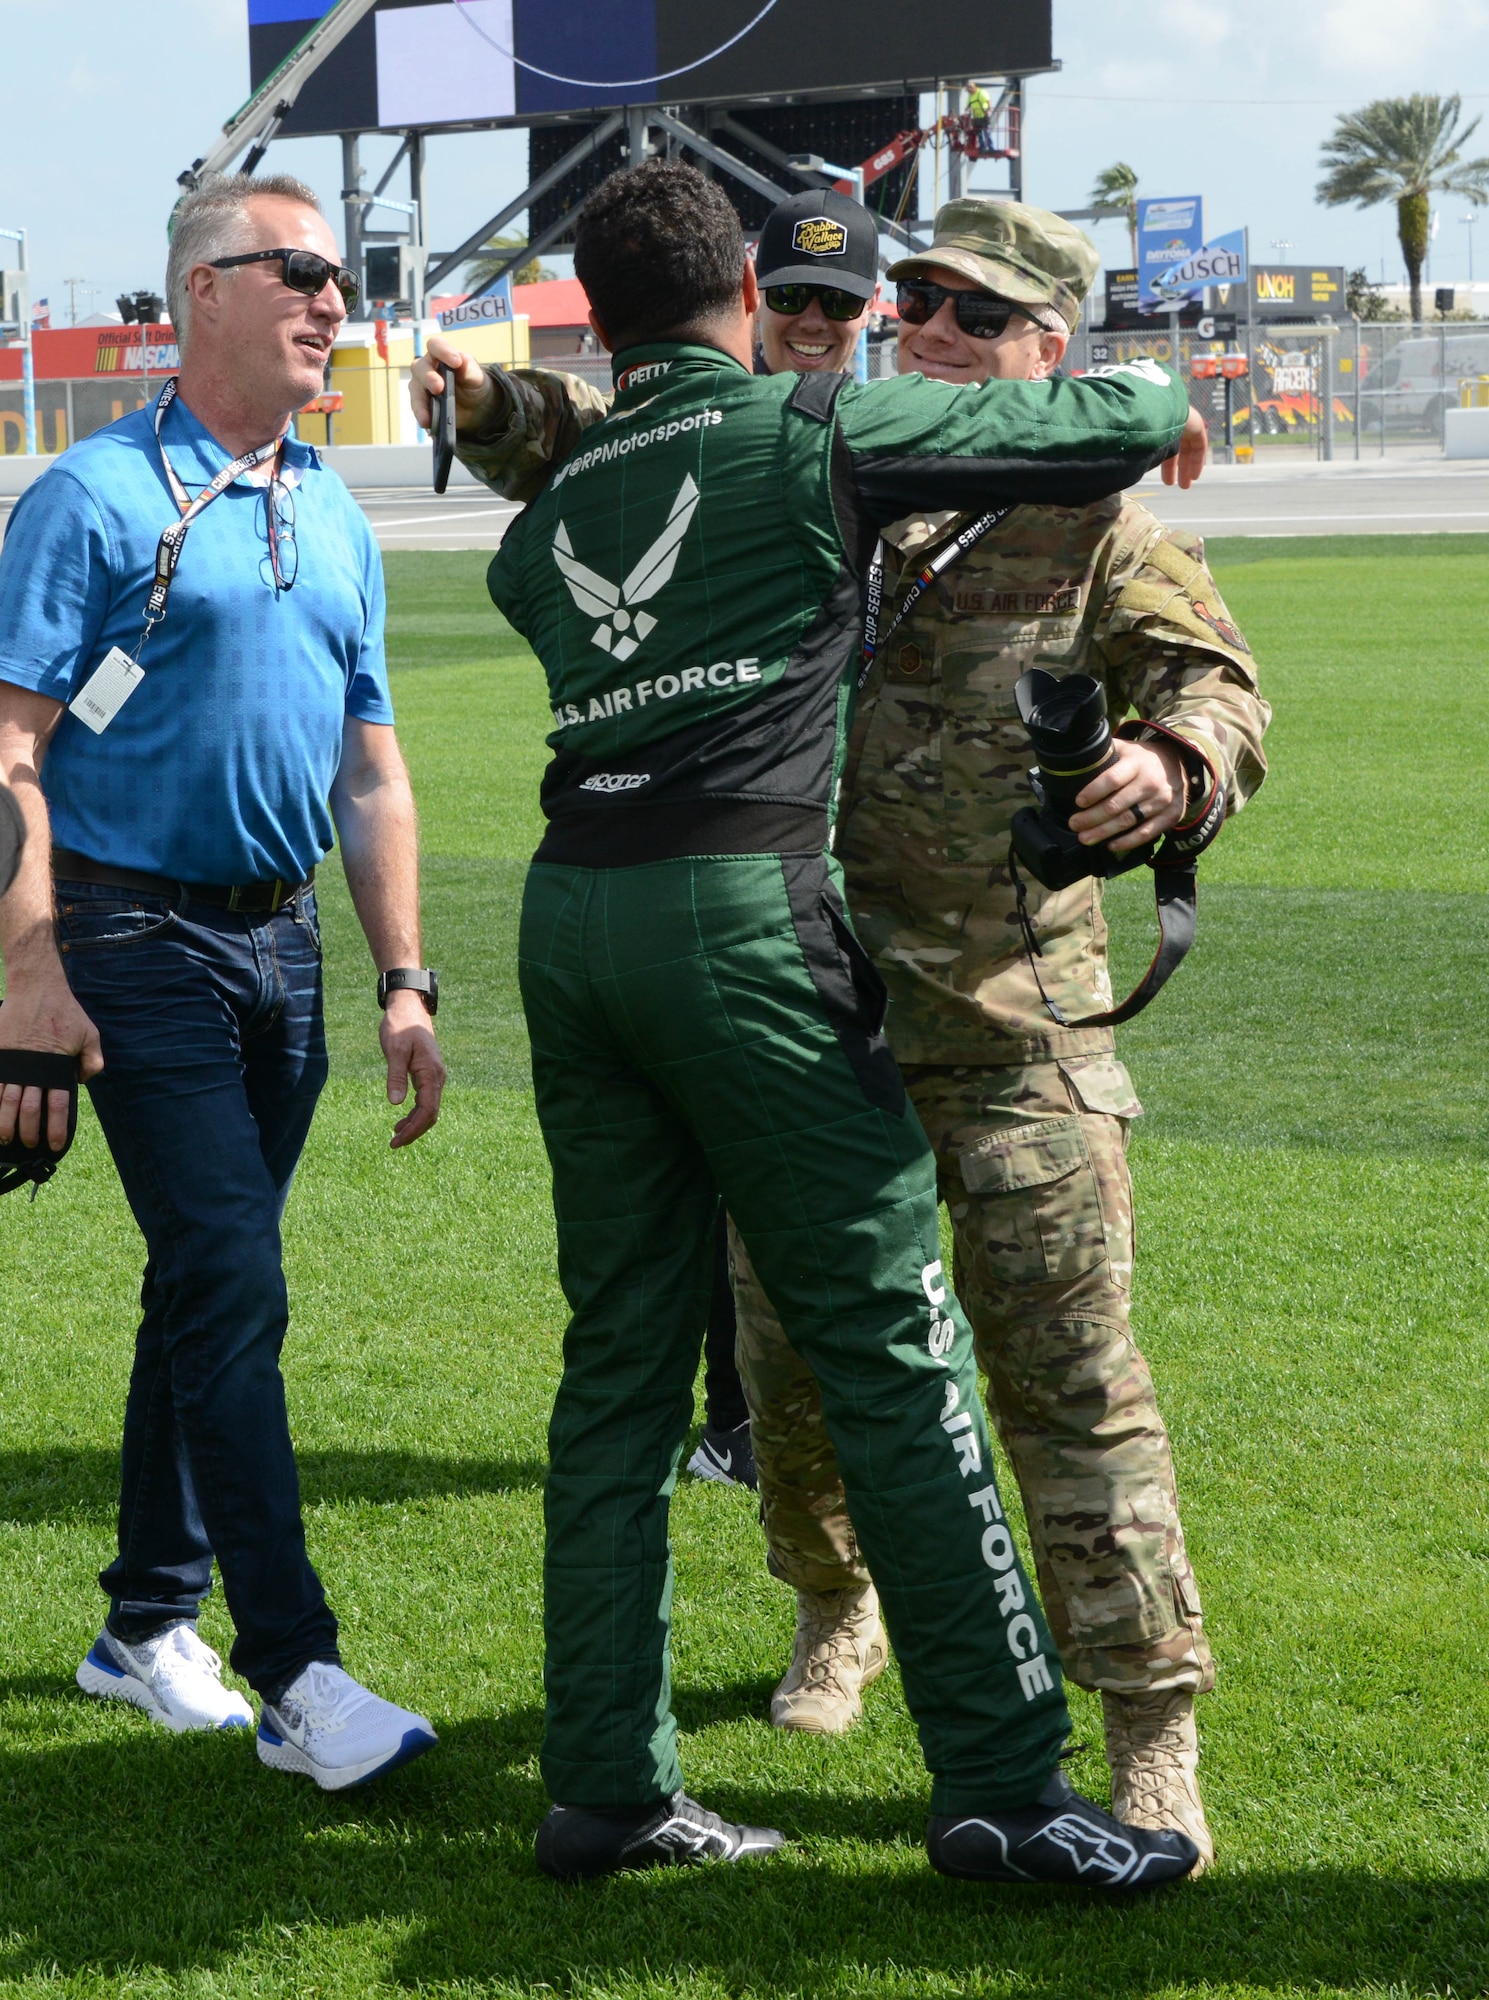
{"x": 629, "y": 836}
{"x": 255, "y": 899}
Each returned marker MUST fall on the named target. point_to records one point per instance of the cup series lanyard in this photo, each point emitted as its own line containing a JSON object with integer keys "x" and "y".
{"x": 951, "y": 551}
{"x": 173, "y": 540}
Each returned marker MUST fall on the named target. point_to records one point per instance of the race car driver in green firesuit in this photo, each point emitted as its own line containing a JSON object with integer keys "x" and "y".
{"x": 703, "y": 1018}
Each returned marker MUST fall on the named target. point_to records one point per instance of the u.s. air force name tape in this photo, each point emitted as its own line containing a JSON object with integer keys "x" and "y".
{"x": 691, "y": 680}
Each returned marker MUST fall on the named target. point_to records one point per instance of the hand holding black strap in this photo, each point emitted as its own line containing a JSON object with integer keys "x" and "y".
{"x": 35, "y": 1069}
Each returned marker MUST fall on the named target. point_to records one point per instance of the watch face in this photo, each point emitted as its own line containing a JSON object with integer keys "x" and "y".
{"x": 423, "y": 980}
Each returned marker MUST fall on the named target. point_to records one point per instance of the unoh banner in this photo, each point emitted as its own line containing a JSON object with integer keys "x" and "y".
{"x": 1170, "y": 230}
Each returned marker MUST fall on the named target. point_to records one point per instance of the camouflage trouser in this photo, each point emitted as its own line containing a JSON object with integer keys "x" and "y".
{"x": 1032, "y": 1163}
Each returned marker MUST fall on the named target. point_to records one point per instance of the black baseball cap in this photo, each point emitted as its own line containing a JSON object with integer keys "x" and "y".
{"x": 820, "y": 238}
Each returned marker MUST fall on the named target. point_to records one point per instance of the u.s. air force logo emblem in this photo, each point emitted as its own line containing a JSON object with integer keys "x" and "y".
{"x": 818, "y": 236}
{"x": 614, "y": 603}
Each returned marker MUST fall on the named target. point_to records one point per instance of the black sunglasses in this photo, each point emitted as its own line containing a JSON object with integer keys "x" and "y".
{"x": 302, "y": 271}
{"x": 979, "y": 314}
{"x": 793, "y": 299}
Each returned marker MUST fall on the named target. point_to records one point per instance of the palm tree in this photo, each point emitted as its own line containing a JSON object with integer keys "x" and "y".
{"x": 1400, "y": 149}
{"x": 1116, "y": 187}
{"x": 492, "y": 254}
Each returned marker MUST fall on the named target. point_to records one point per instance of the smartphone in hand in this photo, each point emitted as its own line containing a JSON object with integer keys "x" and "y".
{"x": 442, "y": 432}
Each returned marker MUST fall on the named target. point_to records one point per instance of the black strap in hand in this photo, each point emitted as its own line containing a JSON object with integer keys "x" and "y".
{"x": 1176, "y": 891}
{"x": 33, "y": 1068}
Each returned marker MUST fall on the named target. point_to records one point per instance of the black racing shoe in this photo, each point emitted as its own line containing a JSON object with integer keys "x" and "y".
{"x": 578, "y": 1843}
{"x": 726, "y": 1457}
{"x": 1062, "y": 1837}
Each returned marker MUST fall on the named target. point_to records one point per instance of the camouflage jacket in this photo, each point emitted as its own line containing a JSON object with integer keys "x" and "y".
{"x": 539, "y": 421}
{"x": 938, "y": 763}
{"x": 938, "y": 760}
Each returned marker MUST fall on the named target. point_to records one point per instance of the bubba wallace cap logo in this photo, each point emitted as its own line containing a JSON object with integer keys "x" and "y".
{"x": 819, "y": 236}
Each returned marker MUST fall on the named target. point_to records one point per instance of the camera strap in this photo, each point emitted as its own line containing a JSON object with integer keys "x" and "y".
{"x": 1176, "y": 892}
{"x": 951, "y": 551}
{"x": 36, "y": 1069}
{"x": 1175, "y": 865}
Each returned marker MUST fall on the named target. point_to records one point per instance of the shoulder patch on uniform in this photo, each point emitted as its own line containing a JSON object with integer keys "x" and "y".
{"x": 1221, "y": 627}
{"x": 816, "y": 395}
{"x": 1165, "y": 555}
{"x": 1188, "y": 599}
{"x": 1135, "y": 595}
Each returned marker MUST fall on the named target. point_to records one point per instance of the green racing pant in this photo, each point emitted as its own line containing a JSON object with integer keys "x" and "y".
{"x": 710, "y": 1026}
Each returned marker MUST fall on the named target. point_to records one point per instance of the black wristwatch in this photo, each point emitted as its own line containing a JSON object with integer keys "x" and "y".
{"x": 420, "y": 979}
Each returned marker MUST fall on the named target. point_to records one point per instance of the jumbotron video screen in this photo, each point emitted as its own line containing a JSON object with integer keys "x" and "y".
{"x": 452, "y": 63}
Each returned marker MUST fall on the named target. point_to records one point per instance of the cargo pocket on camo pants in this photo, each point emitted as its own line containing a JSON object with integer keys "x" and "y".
{"x": 1046, "y": 1225}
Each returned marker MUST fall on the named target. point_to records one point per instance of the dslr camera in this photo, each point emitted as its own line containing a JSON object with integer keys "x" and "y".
{"x": 1065, "y": 717}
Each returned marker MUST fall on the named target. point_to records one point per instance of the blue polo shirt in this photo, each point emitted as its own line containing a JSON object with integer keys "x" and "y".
{"x": 218, "y": 767}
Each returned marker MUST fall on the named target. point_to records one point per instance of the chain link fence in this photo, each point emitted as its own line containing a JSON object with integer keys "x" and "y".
{"x": 1326, "y": 391}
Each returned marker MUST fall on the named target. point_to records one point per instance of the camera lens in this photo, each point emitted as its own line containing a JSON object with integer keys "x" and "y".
{"x": 1065, "y": 715}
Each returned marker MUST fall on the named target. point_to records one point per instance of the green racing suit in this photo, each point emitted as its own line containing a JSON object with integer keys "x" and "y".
{"x": 703, "y": 1020}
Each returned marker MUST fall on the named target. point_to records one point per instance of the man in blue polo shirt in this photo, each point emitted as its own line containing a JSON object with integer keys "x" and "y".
{"x": 193, "y": 703}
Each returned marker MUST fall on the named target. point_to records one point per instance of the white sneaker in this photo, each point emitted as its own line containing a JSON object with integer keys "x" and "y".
{"x": 332, "y": 1729}
{"x": 171, "y": 1675}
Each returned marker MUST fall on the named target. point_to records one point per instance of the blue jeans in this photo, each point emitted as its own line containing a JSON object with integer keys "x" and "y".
{"x": 215, "y": 1054}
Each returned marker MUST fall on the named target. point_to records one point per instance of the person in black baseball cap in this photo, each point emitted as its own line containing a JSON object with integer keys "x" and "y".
{"x": 818, "y": 268}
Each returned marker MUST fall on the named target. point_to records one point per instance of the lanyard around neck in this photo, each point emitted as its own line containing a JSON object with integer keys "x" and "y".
{"x": 172, "y": 541}
{"x": 950, "y": 551}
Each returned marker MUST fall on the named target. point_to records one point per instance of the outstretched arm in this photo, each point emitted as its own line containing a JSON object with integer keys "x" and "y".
{"x": 512, "y": 426}
{"x": 914, "y": 444}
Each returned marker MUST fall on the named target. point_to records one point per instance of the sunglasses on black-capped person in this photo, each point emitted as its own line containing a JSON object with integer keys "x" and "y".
{"x": 793, "y": 299}
{"x": 979, "y": 314}
{"x": 302, "y": 270}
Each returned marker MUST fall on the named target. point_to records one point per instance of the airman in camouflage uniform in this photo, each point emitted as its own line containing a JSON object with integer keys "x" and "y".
{"x": 1029, "y": 1120}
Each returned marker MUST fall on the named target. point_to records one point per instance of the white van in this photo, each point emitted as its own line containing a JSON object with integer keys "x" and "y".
{"x": 1421, "y": 371}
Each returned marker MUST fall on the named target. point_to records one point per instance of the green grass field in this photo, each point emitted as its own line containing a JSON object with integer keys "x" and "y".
{"x": 1312, "y": 1292}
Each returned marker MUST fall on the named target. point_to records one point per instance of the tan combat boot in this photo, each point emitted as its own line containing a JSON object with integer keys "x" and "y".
{"x": 840, "y": 1650}
{"x": 1153, "y": 1751}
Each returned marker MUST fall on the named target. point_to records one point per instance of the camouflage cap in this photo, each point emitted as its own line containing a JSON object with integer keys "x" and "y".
{"x": 1025, "y": 254}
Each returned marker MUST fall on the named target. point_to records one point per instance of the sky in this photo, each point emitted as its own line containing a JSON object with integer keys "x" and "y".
{"x": 1228, "y": 101}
